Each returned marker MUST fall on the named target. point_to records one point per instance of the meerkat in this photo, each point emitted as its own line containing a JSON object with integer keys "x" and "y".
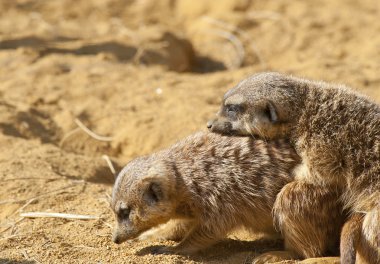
{"x": 210, "y": 185}
{"x": 335, "y": 131}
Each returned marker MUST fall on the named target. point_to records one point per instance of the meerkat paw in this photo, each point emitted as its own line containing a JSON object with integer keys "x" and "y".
{"x": 273, "y": 257}
{"x": 165, "y": 250}
{"x": 162, "y": 250}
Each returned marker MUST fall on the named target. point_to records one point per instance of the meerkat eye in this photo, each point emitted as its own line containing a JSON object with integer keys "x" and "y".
{"x": 124, "y": 213}
{"x": 232, "y": 110}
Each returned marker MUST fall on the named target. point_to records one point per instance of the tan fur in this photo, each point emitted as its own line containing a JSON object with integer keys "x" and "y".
{"x": 309, "y": 219}
{"x": 351, "y": 237}
{"x": 335, "y": 131}
{"x": 174, "y": 230}
{"x": 209, "y": 184}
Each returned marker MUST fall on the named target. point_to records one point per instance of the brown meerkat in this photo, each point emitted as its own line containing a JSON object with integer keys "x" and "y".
{"x": 211, "y": 184}
{"x": 335, "y": 131}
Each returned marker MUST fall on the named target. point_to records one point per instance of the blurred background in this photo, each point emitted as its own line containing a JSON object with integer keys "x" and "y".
{"x": 141, "y": 74}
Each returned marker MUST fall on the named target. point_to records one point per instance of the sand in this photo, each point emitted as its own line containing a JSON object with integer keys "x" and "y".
{"x": 143, "y": 74}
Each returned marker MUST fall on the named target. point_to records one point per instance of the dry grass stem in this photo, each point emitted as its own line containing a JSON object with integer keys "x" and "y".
{"x": 236, "y": 44}
{"x": 26, "y": 204}
{"x": 67, "y": 135}
{"x": 30, "y": 178}
{"x": 90, "y": 133}
{"x": 58, "y": 215}
{"x": 109, "y": 199}
{"x": 243, "y": 34}
{"x": 109, "y": 163}
{"x": 12, "y": 225}
{"x": 38, "y": 196}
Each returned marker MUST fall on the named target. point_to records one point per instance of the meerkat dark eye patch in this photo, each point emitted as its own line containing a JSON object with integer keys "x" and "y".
{"x": 153, "y": 193}
{"x": 124, "y": 213}
{"x": 232, "y": 110}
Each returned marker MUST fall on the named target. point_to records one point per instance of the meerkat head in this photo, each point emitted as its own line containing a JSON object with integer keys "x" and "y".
{"x": 263, "y": 105}
{"x": 142, "y": 198}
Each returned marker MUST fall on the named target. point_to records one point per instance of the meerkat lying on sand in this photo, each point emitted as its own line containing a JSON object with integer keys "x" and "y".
{"x": 212, "y": 185}
{"x": 334, "y": 130}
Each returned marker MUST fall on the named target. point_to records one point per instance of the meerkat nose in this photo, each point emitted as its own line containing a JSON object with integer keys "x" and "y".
{"x": 116, "y": 240}
{"x": 209, "y": 124}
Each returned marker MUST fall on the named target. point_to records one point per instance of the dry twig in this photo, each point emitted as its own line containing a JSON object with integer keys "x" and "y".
{"x": 236, "y": 44}
{"x": 12, "y": 225}
{"x": 58, "y": 215}
{"x": 90, "y": 133}
{"x": 38, "y": 196}
{"x": 68, "y": 134}
{"x": 31, "y": 178}
{"x": 243, "y": 34}
{"x": 109, "y": 163}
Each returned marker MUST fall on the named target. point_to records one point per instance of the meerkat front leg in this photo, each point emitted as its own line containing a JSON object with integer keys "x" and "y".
{"x": 368, "y": 250}
{"x": 350, "y": 237}
{"x": 198, "y": 238}
{"x": 174, "y": 230}
{"x": 360, "y": 238}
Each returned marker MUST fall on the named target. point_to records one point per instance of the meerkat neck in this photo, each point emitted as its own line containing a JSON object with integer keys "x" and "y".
{"x": 181, "y": 195}
{"x": 299, "y": 96}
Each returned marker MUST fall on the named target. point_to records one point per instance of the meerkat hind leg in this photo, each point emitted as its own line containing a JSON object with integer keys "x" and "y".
{"x": 350, "y": 237}
{"x": 368, "y": 248}
{"x": 309, "y": 217}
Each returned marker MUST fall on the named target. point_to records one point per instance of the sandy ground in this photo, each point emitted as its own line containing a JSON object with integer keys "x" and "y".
{"x": 144, "y": 74}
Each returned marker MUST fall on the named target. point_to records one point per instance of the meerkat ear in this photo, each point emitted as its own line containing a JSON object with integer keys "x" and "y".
{"x": 153, "y": 193}
{"x": 156, "y": 183}
{"x": 271, "y": 112}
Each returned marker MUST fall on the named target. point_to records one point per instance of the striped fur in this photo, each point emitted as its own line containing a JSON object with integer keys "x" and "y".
{"x": 213, "y": 184}
{"x": 335, "y": 131}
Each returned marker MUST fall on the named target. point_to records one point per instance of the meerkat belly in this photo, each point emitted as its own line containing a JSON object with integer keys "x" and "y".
{"x": 308, "y": 173}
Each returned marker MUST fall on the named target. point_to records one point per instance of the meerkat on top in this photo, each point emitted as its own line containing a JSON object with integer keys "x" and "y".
{"x": 210, "y": 184}
{"x": 335, "y": 131}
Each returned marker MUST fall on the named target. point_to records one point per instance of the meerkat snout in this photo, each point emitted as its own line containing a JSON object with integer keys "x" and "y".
{"x": 116, "y": 238}
{"x": 229, "y": 117}
{"x": 246, "y": 109}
